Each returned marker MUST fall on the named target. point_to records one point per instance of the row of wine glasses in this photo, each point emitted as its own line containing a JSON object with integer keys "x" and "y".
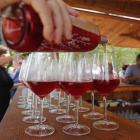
{"x": 74, "y": 73}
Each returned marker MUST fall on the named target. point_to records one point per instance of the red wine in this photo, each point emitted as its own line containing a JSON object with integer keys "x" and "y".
{"x": 105, "y": 87}
{"x": 77, "y": 89}
{"x": 58, "y": 88}
{"x": 60, "y": 85}
{"x": 92, "y": 88}
{"x": 24, "y": 84}
{"x": 42, "y": 89}
{"x": 24, "y": 34}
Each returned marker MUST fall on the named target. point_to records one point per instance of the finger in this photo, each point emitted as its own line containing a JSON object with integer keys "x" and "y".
{"x": 72, "y": 11}
{"x": 66, "y": 19}
{"x": 44, "y": 11}
{"x": 58, "y": 20}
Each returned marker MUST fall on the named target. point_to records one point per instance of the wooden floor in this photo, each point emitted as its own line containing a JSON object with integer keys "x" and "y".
{"x": 12, "y": 126}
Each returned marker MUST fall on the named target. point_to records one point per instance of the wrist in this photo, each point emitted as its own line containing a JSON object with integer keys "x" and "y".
{"x": 10, "y": 58}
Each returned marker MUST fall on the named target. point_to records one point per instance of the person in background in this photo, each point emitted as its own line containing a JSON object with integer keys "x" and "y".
{"x": 15, "y": 78}
{"x": 132, "y": 74}
{"x": 6, "y": 83}
{"x": 11, "y": 72}
{"x": 11, "y": 69}
{"x": 122, "y": 72}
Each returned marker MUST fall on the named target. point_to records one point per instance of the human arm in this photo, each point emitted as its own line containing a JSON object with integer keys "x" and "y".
{"x": 5, "y": 60}
{"x": 129, "y": 77}
{"x": 16, "y": 85}
{"x": 54, "y": 15}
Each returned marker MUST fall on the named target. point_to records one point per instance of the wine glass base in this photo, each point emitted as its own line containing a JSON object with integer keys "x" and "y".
{"x": 106, "y": 125}
{"x": 66, "y": 119}
{"x": 24, "y": 106}
{"x": 82, "y": 109}
{"x": 39, "y": 130}
{"x": 27, "y": 112}
{"x": 21, "y": 100}
{"x": 34, "y": 119}
{"x": 21, "y": 103}
{"x": 50, "y": 106}
{"x": 21, "y": 97}
{"x": 76, "y": 131}
{"x": 58, "y": 111}
{"x": 72, "y": 105}
{"x": 93, "y": 116}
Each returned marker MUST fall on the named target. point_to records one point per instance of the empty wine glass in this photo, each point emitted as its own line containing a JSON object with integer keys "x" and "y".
{"x": 42, "y": 79}
{"x": 76, "y": 78}
{"x": 105, "y": 80}
{"x": 22, "y": 80}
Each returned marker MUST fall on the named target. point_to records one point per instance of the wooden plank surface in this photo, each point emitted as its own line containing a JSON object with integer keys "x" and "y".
{"x": 12, "y": 126}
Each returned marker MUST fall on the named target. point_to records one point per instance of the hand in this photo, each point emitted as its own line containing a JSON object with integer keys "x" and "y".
{"x": 14, "y": 57}
{"x": 55, "y": 18}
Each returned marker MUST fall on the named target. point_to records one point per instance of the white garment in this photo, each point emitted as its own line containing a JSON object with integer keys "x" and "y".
{"x": 121, "y": 74}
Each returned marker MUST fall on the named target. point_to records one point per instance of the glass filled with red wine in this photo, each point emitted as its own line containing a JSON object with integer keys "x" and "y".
{"x": 76, "y": 78}
{"x": 105, "y": 80}
{"x": 93, "y": 115}
{"x": 42, "y": 78}
{"x": 64, "y": 118}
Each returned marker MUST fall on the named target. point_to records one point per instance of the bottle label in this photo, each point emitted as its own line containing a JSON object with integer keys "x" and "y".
{"x": 76, "y": 43}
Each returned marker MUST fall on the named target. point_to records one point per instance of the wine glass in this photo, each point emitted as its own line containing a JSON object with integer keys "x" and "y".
{"x": 26, "y": 105}
{"x": 93, "y": 115}
{"x": 76, "y": 78}
{"x": 59, "y": 110}
{"x": 105, "y": 80}
{"x": 64, "y": 118}
{"x": 42, "y": 79}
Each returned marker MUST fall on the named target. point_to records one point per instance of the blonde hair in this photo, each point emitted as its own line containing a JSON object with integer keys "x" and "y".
{"x": 3, "y": 50}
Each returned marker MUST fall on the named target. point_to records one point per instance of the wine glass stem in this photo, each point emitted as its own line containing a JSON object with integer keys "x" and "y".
{"x": 59, "y": 95}
{"x": 24, "y": 94}
{"x": 76, "y": 112}
{"x": 70, "y": 99}
{"x": 105, "y": 109}
{"x": 32, "y": 106}
{"x": 35, "y": 102}
{"x": 50, "y": 102}
{"x": 80, "y": 101}
{"x": 68, "y": 102}
{"x": 41, "y": 112}
{"x": 27, "y": 91}
{"x": 64, "y": 96}
{"x": 92, "y": 94}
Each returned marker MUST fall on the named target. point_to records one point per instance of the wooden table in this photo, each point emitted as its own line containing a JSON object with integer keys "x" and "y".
{"x": 123, "y": 91}
{"x": 12, "y": 126}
